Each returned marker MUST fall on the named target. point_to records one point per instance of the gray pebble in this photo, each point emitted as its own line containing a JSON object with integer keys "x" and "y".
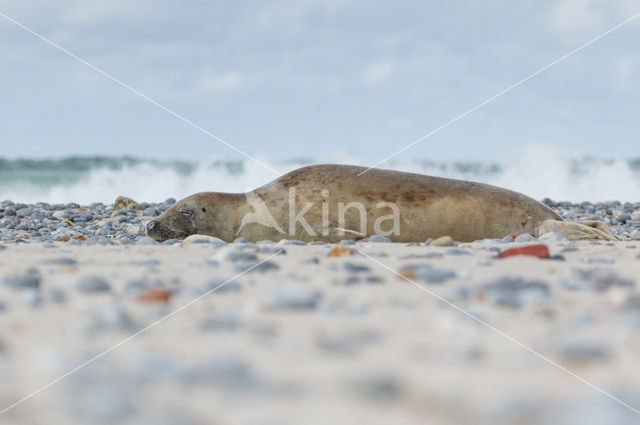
{"x": 525, "y": 237}
{"x": 56, "y": 295}
{"x": 348, "y": 342}
{"x": 93, "y": 284}
{"x": 151, "y": 212}
{"x": 231, "y": 372}
{"x": 514, "y": 291}
{"x": 224, "y": 322}
{"x": 26, "y": 281}
{"x": 507, "y": 239}
{"x": 269, "y": 250}
{"x": 240, "y": 240}
{"x": 378, "y": 388}
{"x": 597, "y": 279}
{"x": 126, "y": 240}
{"x": 137, "y": 287}
{"x": 457, "y": 251}
{"x": 595, "y": 260}
{"x": 347, "y": 242}
{"x": 488, "y": 241}
{"x": 356, "y": 268}
{"x": 429, "y": 274}
{"x": 379, "y": 239}
{"x": 241, "y": 256}
{"x": 33, "y": 298}
{"x": 222, "y": 285}
{"x": 294, "y": 297}
{"x": 63, "y": 261}
{"x": 255, "y": 266}
{"x": 171, "y": 242}
{"x": 585, "y": 352}
{"x": 108, "y": 317}
{"x": 352, "y": 279}
{"x": 146, "y": 240}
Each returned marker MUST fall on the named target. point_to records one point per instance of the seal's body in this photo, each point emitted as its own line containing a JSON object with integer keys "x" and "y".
{"x": 331, "y": 203}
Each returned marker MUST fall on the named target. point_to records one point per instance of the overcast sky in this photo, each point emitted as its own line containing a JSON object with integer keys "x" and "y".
{"x": 290, "y": 79}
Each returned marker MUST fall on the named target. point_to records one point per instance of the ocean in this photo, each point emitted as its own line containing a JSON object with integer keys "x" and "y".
{"x": 101, "y": 179}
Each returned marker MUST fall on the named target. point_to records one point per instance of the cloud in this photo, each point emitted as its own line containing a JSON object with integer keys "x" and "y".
{"x": 575, "y": 19}
{"x": 376, "y": 73}
{"x": 91, "y": 11}
{"x": 625, "y": 68}
{"x": 220, "y": 82}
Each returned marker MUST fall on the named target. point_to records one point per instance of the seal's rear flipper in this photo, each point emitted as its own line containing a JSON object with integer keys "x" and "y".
{"x": 583, "y": 230}
{"x": 596, "y": 224}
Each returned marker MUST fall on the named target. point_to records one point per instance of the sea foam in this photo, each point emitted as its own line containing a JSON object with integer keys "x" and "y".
{"x": 537, "y": 171}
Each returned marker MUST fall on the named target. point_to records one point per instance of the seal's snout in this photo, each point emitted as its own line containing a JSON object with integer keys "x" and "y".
{"x": 151, "y": 224}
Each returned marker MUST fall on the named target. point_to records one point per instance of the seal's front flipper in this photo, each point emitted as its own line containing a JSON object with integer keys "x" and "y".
{"x": 577, "y": 231}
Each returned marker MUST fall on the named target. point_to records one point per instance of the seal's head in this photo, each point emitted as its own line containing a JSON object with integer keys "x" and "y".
{"x": 181, "y": 220}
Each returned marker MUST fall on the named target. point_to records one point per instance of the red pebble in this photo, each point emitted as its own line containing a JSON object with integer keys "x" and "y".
{"x": 540, "y": 251}
{"x": 154, "y": 295}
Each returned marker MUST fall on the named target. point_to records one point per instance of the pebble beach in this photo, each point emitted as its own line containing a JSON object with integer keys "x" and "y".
{"x": 206, "y": 332}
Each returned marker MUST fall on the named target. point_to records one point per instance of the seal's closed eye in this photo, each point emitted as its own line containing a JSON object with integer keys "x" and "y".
{"x": 204, "y": 210}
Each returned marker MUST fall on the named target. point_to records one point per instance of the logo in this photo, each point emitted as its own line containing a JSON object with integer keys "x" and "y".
{"x": 385, "y": 225}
